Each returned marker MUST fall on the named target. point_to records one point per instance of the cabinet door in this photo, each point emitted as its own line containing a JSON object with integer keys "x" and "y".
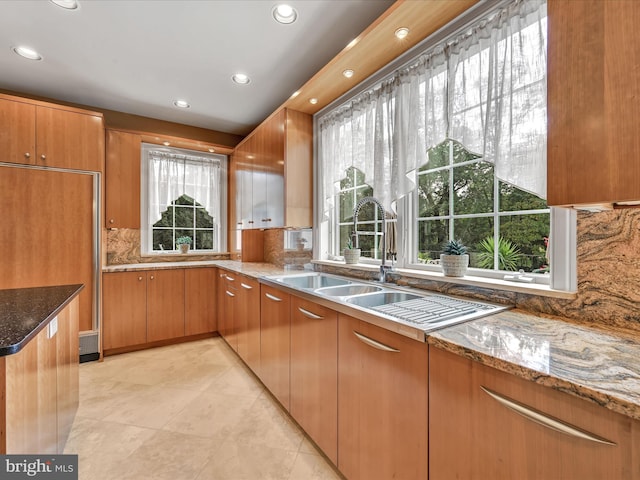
{"x": 474, "y": 436}
{"x": 275, "y": 331}
{"x": 122, "y": 180}
{"x": 67, "y": 139}
{"x": 230, "y": 300}
{"x": 17, "y": 132}
{"x": 314, "y": 373}
{"x": 165, "y": 304}
{"x": 248, "y": 320}
{"x": 124, "y": 307}
{"x": 273, "y": 157}
{"x": 68, "y": 371}
{"x": 200, "y": 300}
{"x": 382, "y": 403}
{"x": 298, "y": 164}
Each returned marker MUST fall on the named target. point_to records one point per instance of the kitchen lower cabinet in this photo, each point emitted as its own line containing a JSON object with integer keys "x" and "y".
{"x": 200, "y": 314}
{"x": 148, "y": 306}
{"x": 124, "y": 308}
{"x": 248, "y": 321}
{"x": 165, "y": 304}
{"x": 275, "y": 331}
{"x": 314, "y": 373}
{"x": 484, "y": 423}
{"x": 227, "y": 296}
{"x": 382, "y": 403}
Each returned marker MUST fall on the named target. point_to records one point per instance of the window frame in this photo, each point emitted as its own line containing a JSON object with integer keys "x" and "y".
{"x": 146, "y": 229}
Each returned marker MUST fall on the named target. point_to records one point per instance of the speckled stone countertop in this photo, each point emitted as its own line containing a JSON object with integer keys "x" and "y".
{"x": 596, "y": 365}
{"x": 253, "y": 269}
{"x": 24, "y": 312}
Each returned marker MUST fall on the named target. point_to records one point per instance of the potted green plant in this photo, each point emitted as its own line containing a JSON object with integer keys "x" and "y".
{"x": 351, "y": 255}
{"x": 454, "y": 259}
{"x": 183, "y": 243}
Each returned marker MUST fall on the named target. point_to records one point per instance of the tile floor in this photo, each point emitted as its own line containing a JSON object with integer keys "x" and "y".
{"x": 192, "y": 411}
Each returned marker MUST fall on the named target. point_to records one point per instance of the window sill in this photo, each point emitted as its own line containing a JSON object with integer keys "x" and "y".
{"x": 482, "y": 282}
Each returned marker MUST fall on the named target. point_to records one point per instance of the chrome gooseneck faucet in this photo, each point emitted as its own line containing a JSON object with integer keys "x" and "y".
{"x": 384, "y": 268}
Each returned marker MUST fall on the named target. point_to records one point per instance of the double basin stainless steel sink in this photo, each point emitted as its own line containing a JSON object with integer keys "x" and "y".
{"x": 425, "y": 311}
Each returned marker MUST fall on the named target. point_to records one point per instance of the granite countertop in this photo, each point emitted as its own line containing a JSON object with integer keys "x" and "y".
{"x": 24, "y": 312}
{"x": 596, "y": 365}
{"x": 253, "y": 269}
{"x": 599, "y": 365}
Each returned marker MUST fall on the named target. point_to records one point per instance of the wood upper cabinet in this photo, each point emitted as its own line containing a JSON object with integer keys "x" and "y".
{"x": 593, "y": 96}
{"x": 200, "y": 315}
{"x": 271, "y": 173}
{"x": 473, "y": 434}
{"x": 165, "y": 304}
{"x": 124, "y": 309}
{"x": 382, "y": 403}
{"x": 314, "y": 373}
{"x": 122, "y": 180}
{"x": 17, "y": 131}
{"x": 275, "y": 330}
{"x": 248, "y": 321}
{"x": 44, "y": 134}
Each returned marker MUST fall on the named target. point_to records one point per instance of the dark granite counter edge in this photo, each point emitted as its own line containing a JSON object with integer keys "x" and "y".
{"x": 19, "y": 345}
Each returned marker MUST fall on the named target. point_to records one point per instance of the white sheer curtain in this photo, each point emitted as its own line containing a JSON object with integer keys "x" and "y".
{"x": 171, "y": 176}
{"x": 485, "y": 89}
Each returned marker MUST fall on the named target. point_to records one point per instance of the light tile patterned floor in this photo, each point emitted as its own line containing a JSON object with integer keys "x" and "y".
{"x": 192, "y": 411}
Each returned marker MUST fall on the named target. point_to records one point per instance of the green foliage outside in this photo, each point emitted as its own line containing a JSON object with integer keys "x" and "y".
{"x": 184, "y": 218}
{"x": 508, "y": 254}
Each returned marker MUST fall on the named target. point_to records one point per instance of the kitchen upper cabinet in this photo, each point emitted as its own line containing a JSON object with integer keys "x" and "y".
{"x": 593, "y": 90}
{"x": 200, "y": 315}
{"x": 314, "y": 373}
{"x": 43, "y": 134}
{"x": 275, "y": 331}
{"x": 272, "y": 172}
{"x": 484, "y": 423}
{"x": 382, "y": 403}
{"x": 122, "y": 180}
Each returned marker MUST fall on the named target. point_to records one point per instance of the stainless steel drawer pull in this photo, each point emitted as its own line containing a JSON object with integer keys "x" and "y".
{"x": 223, "y": 275}
{"x": 229, "y": 293}
{"x": 231, "y": 279}
{"x": 307, "y": 313}
{"x": 272, "y": 297}
{"x": 545, "y": 420}
{"x": 374, "y": 344}
{"x": 244, "y": 285}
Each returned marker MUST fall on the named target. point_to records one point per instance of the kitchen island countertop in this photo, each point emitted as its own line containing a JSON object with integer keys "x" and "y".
{"x": 24, "y": 312}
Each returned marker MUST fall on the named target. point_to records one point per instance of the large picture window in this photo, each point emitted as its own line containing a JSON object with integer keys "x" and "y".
{"x": 184, "y": 195}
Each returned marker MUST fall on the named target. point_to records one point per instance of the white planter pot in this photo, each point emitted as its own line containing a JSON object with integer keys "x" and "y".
{"x": 184, "y": 248}
{"x": 351, "y": 255}
{"x": 454, "y": 265}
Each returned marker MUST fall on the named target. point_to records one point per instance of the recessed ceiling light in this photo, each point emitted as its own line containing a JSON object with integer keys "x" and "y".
{"x": 166, "y": 144}
{"x": 348, "y": 73}
{"x": 212, "y": 150}
{"x": 402, "y": 32}
{"x": 241, "y": 78}
{"x": 27, "y": 52}
{"x": 352, "y": 43}
{"x": 181, "y": 103}
{"x": 284, "y": 13}
{"x": 68, "y": 4}
{"x": 313, "y": 101}
{"x": 295, "y": 94}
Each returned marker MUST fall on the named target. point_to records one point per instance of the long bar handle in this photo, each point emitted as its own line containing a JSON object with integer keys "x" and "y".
{"x": 272, "y": 297}
{"x": 375, "y": 344}
{"x": 307, "y": 313}
{"x": 545, "y": 420}
{"x": 244, "y": 285}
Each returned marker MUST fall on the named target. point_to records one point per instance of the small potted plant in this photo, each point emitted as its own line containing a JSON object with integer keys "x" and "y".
{"x": 351, "y": 255}
{"x": 454, "y": 259}
{"x": 184, "y": 243}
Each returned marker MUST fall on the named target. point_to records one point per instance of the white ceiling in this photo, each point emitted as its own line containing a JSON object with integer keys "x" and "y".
{"x": 138, "y": 56}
